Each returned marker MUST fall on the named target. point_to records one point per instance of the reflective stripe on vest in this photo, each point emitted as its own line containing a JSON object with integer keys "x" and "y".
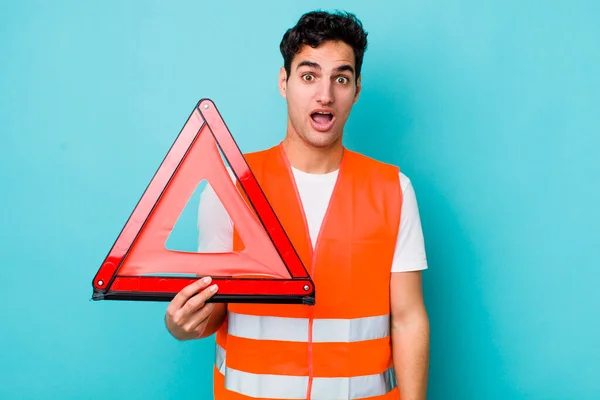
{"x": 296, "y": 329}
{"x": 294, "y": 387}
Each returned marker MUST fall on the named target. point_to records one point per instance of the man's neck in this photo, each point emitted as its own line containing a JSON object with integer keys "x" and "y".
{"x": 313, "y": 160}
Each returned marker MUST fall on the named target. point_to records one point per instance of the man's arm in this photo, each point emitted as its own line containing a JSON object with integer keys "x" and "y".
{"x": 410, "y": 334}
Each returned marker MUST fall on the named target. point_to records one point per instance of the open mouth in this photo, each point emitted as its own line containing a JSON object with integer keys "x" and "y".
{"x": 322, "y": 120}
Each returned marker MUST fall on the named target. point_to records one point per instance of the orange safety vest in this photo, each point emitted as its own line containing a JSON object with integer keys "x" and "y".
{"x": 340, "y": 348}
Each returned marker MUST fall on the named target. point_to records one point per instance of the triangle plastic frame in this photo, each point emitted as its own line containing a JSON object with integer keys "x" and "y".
{"x": 117, "y": 280}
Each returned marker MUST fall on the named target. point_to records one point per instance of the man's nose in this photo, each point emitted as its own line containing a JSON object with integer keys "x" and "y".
{"x": 326, "y": 92}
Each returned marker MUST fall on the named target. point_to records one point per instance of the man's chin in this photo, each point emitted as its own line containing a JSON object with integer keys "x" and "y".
{"x": 321, "y": 139}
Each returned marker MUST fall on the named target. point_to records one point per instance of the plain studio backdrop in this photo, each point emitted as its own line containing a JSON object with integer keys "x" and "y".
{"x": 491, "y": 108}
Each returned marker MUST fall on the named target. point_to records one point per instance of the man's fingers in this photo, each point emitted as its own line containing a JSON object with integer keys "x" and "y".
{"x": 197, "y": 301}
{"x": 199, "y": 318}
{"x": 187, "y": 292}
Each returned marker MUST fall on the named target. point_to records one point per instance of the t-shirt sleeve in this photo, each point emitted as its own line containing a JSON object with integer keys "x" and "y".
{"x": 409, "y": 254}
{"x": 215, "y": 228}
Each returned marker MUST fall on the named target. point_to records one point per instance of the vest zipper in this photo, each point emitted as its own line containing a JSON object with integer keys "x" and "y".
{"x": 313, "y": 255}
{"x": 312, "y": 271}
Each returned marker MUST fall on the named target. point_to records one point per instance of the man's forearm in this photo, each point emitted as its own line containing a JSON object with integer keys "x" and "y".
{"x": 410, "y": 346}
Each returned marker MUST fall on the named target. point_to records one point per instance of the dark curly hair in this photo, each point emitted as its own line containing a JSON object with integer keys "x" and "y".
{"x": 315, "y": 27}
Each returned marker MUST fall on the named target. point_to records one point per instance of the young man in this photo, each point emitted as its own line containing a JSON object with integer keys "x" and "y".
{"x": 355, "y": 224}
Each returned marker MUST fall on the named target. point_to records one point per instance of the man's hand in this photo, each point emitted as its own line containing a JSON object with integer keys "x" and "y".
{"x": 188, "y": 313}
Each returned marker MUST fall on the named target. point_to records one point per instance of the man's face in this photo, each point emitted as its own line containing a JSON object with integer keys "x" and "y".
{"x": 320, "y": 92}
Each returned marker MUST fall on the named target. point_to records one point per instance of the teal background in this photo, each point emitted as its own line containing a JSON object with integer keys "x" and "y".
{"x": 491, "y": 108}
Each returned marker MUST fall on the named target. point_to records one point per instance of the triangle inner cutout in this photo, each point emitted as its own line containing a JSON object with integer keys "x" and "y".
{"x": 204, "y": 225}
{"x": 142, "y": 266}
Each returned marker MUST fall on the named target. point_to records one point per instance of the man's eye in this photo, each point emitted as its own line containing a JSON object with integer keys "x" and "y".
{"x": 342, "y": 79}
{"x": 307, "y": 77}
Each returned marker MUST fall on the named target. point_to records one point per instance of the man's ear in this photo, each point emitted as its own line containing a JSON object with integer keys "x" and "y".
{"x": 358, "y": 88}
{"x": 282, "y": 82}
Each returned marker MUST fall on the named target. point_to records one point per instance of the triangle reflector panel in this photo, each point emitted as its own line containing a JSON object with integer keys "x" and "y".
{"x": 140, "y": 267}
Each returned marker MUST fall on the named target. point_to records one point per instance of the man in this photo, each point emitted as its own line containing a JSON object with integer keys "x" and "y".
{"x": 355, "y": 224}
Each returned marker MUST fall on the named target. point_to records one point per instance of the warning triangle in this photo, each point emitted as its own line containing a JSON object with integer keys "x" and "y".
{"x": 140, "y": 267}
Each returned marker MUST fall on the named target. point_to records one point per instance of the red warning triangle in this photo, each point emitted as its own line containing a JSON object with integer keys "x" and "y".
{"x": 140, "y": 267}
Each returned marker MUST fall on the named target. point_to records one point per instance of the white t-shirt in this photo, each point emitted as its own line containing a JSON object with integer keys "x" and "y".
{"x": 315, "y": 191}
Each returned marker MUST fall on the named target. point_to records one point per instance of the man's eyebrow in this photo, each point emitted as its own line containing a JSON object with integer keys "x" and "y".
{"x": 310, "y": 64}
{"x": 345, "y": 67}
